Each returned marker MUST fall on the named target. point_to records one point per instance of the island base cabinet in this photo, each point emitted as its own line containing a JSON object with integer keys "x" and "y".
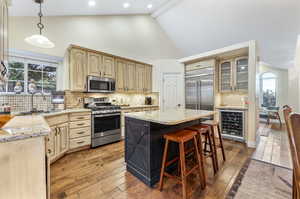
{"x": 23, "y": 169}
{"x": 144, "y": 145}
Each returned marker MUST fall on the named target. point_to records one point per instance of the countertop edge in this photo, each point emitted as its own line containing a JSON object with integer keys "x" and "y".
{"x": 169, "y": 123}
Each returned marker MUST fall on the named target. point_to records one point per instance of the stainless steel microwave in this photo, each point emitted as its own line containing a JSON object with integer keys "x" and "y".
{"x": 100, "y": 85}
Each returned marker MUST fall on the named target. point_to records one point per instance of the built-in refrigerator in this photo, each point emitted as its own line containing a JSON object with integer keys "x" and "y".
{"x": 199, "y": 88}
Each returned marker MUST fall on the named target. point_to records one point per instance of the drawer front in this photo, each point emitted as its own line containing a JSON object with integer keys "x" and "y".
{"x": 80, "y": 124}
{"x": 80, "y": 132}
{"x": 76, "y": 117}
{"x": 79, "y": 142}
{"x": 55, "y": 120}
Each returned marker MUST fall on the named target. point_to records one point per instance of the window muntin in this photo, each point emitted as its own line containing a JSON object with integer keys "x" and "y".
{"x": 43, "y": 73}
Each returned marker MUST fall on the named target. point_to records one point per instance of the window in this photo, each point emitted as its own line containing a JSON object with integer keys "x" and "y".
{"x": 268, "y": 89}
{"x": 25, "y": 70}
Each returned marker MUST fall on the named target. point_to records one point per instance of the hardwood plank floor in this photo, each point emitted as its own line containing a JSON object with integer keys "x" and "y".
{"x": 273, "y": 146}
{"x": 101, "y": 174}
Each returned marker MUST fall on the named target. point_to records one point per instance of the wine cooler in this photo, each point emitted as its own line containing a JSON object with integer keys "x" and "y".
{"x": 233, "y": 124}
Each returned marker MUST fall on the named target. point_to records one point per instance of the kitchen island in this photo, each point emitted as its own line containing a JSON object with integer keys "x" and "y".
{"x": 144, "y": 141}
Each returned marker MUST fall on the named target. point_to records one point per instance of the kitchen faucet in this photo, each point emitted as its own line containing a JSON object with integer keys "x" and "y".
{"x": 34, "y": 110}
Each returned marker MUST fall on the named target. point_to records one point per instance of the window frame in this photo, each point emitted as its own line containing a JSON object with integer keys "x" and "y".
{"x": 29, "y": 60}
{"x": 261, "y": 78}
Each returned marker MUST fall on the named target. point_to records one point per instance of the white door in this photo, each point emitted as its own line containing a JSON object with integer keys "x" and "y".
{"x": 171, "y": 91}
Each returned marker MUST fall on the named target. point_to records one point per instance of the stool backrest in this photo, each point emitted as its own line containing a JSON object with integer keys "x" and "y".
{"x": 294, "y": 126}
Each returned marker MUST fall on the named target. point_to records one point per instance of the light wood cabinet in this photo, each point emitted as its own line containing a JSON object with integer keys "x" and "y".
{"x": 148, "y": 79}
{"x": 233, "y": 75}
{"x": 94, "y": 64}
{"x": 120, "y": 68}
{"x": 78, "y": 69}
{"x": 63, "y": 138}
{"x": 58, "y": 141}
{"x": 3, "y": 38}
{"x": 140, "y": 78}
{"x": 130, "y": 77}
{"x": 108, "y": 67}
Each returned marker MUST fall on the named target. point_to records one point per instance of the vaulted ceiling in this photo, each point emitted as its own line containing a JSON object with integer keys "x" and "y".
{"x": 196, "y": 26}
{"x": 82, "y": 7}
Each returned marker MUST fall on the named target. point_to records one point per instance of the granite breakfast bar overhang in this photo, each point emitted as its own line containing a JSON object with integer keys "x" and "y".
{"x": 144, "y": 141}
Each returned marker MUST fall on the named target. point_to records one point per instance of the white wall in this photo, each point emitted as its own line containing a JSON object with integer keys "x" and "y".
{"x": 294, "y": 81}
{"x": 168, "y": 66}
{"x": 200, "y": 25}
{"x": 135, "y": 36}
{"x": 282, "y": 83}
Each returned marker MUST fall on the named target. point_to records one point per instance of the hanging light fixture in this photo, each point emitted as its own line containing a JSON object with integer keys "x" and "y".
{"x": 40, "y": 40}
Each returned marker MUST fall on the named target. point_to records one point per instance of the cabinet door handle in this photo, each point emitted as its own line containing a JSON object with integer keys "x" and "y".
{"x": 80, "y": 118}
{"x": 55, "y": 131}
{"x": 80, "y": 124}
{"x": 49, "y": 150}
{"x": 80, "y": 142}
{"x": 82, "y": 132}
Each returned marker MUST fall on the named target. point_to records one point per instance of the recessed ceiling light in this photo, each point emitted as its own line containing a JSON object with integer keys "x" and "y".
{"x": 126, "y": 5}
{"x": 92, "y": 3}
{"x": 149, "y": 6}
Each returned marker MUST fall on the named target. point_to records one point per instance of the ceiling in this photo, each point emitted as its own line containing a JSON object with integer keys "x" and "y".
{"x": 81, "y": 7}
{"x": 197, "y": 26}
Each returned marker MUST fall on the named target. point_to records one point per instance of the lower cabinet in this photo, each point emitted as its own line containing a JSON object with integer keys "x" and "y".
{"x": 68, "y": 135}
{"x": 58, "y": 141}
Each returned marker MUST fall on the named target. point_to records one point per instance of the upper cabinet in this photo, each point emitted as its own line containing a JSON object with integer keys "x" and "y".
{"x": 225, "y": 76}
{"x": 241, "y": 74}
{"x": 94, "y": 64}
{"x": 131, "y": 76}
{"x": 108, "y": 67}
{"x": 233, "y": 75}
{"x": 3, "y": 38}
{"x": 78, "y": 69}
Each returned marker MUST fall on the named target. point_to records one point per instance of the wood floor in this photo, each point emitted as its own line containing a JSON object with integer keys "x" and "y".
{"x": 273, "y": 146}
{"x": 101, "y": 174}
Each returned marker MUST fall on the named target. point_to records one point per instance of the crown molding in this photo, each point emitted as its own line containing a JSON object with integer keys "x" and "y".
{"x": 165, "y": 7}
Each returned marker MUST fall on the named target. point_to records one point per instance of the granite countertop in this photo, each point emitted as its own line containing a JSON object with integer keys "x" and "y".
{"x": 59, "y": 112}
{"x": 170, "y": 116}
{"x": 65, "y": 112}
{"x": 23, "y": 127}
{"x": 138, "y": 106}
{"x": 232, "y": 107}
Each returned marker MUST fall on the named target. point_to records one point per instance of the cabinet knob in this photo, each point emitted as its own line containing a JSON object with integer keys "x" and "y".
{"x": 49, "y": 150}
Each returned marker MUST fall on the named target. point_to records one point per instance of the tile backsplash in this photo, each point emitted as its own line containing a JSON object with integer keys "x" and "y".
{"x": 22, "y": 103}
{"x": 75, "y": 100}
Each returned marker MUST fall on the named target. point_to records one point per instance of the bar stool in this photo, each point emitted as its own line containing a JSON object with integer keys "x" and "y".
{"x": 205, "y": 130}
{"x": 213, "y": 125}
{"x": 181, "y": 137}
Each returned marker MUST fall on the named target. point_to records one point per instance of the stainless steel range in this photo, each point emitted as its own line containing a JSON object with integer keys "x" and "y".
{"x": 106, "y": 120}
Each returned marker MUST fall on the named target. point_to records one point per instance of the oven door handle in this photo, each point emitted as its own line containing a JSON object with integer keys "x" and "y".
{"x": 116, "y": 114}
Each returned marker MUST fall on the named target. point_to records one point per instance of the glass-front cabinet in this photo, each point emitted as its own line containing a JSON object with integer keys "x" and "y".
{"x": 241, "y": 74}
{"x": 233, "y": 75}
{"x": 226, "y": 76}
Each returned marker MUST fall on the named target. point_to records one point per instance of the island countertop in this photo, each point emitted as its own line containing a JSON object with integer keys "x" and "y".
{"x": 170, "y": 116}
{"x": 23, "y": 127}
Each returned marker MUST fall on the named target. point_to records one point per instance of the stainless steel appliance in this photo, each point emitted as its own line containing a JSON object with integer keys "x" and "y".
{"x": 233, "y": 124}
{"x": 199, "y": 88}
{"x": 106, "y": 118}
{"x": 100, "y": 85}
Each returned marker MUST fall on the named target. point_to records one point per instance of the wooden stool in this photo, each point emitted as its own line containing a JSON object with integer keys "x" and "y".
{"x": 212, "y": 125}
{"x": 205, "y": 130}
{"x": 181, "y": 137}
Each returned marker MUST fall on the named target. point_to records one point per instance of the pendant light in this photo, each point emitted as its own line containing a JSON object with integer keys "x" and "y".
{"x": 40, "y": 40}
